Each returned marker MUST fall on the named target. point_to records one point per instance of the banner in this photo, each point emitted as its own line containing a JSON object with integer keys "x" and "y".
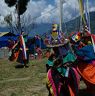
{"x": 22, "y": 42}
{"x": 81, "y": 5}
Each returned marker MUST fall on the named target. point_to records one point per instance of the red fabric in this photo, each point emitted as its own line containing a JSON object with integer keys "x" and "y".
{"x": 93, "y": 36}
{"x": 14, "y": 56}
{"x": 71, "y": 91}
{"x": 11, "y": 44}
{"x": 87, "y": 71}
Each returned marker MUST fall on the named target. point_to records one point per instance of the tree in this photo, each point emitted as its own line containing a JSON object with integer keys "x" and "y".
{"x": 8, "y": 20}
{"x": 28, "y": 23}
{"x": 21, "y": 7}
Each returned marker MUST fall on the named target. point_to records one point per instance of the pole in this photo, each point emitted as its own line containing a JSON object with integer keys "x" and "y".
{"x": 61, "y": 14}
{"x": 87, "y": 5}
{"x": 18, "y": 18}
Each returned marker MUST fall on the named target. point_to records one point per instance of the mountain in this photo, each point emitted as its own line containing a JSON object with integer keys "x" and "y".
{"x": 92, "y": 22}
{"x": 74, "y": 25}
{"x": 4, "y": 29}
{"x": 68, "y": 27}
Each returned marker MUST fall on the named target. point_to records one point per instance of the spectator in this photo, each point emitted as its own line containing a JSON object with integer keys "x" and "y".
{"x": 39, "y": 52}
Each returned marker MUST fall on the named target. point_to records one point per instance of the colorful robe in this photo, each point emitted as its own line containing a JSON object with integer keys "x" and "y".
{"x": 86, "y": 64}
{"x": 59, "y": 85}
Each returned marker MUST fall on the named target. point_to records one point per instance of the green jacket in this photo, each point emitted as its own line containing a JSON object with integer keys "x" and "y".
{"x": 69, "y": 58}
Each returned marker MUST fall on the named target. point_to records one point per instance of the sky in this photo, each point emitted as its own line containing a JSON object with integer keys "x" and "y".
{"x": 45, "y": 11}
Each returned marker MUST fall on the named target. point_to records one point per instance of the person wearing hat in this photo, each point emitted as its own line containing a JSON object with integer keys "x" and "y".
{"x": 60, "y": 47}
{"x": 86, "y": 60}
{"x": 21, "y": 52}
{"x": 57, "y": 67}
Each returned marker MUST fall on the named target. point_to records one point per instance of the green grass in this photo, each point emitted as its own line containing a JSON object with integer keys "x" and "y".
{"x": 24, "y": 81}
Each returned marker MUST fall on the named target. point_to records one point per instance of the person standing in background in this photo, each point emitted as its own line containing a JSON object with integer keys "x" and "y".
{"x": 39, "y": 52}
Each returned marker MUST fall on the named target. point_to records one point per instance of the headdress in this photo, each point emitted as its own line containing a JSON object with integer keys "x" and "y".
{"x": 76, "y": 36}
{"x": 56, "y": 38}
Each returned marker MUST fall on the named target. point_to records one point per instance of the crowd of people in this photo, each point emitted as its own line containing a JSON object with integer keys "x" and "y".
{"x": 20, "y": 52}
{"x": 70, "y": 59}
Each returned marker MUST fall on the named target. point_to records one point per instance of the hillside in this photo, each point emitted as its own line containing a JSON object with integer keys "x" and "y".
{"x": 74, "y": 25}
{"x": 70, "y": 26}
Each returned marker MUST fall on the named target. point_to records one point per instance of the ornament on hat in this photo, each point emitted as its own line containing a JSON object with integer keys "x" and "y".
{"x": 56, "y": 38}
{"x": 54, "y": 32}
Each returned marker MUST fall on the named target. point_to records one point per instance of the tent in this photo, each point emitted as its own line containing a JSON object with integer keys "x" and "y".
{"x": 5, "y": 36}
{"x": 3, "y": 33}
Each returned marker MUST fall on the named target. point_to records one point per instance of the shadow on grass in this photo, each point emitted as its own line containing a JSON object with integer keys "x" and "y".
{"x": 83, "y": 92}
{"x": 19, "y": 66}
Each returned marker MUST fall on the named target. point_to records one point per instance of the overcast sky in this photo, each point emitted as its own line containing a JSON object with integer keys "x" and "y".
{"x": 47, "y": 11}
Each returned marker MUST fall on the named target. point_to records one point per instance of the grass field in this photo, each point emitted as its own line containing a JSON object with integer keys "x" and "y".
{"x": 24, "y": 81}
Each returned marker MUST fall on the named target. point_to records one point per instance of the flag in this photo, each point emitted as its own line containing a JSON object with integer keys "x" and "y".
{"x": 81, "y": 5}
{"x": 23, "y": 46}
{"x": 76, "y": 37}
{"x": 87, "y": 16}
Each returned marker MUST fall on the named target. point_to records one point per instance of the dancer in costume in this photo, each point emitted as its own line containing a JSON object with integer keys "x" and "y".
{"x": 23, "y": 56}
{"x": 84, "y": 51}
{"x": 62, "y": 78}
{"x": 10, "y": 44}
{"x": 86, "y": 54}
{"x": 20, "y": 52}
{"x": 13, "y": 52}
